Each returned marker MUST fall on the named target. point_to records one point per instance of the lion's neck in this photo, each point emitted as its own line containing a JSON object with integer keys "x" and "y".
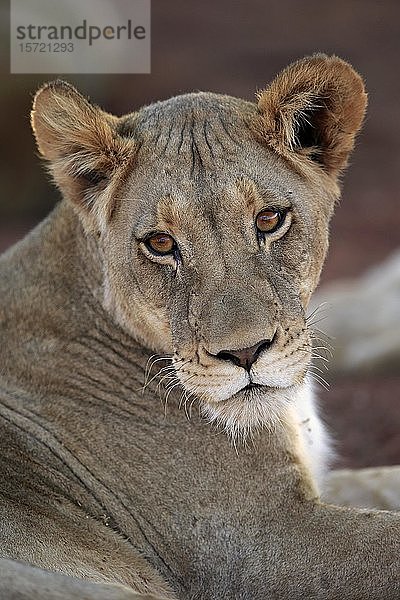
{"x": 51, "y": 290}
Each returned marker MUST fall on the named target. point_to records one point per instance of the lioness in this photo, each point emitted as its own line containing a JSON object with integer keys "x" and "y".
{"x": 190, "y": 237}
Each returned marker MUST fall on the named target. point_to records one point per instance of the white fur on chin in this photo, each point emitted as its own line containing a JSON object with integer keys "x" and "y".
{"x": 248, "y": 412}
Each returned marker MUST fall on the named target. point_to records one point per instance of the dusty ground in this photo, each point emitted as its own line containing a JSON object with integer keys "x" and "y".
{"x": 233, "y": 47}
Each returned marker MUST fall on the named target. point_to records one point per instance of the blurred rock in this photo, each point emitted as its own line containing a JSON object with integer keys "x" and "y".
{"x": 365, "y": 488}
{"x": 362, "y": 320}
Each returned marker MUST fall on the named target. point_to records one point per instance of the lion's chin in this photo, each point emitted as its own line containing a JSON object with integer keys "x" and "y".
{"x": 253, "y": 408}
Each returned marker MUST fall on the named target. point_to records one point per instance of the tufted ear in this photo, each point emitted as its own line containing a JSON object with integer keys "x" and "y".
{"x": 314, "y": 108}
{"x": 80, "y": 141}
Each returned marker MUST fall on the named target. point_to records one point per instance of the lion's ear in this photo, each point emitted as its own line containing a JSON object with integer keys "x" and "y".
{"x": 80, "y": 141}
{"x": 313, "y": 108}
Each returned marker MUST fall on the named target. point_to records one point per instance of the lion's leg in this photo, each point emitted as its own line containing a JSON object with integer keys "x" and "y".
{"x": 20, "y": 581}
{"x": 328, "y": 553}
{"x": 66, "y": 541}
{"x": 377, "y": 487}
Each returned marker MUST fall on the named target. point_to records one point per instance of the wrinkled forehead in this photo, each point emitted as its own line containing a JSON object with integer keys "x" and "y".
{"x": 197, "y": 156}
{"x": 199, "y": 125}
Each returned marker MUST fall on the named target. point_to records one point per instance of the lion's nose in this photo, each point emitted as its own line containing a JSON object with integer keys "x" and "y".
{"x": 247, "y": 356}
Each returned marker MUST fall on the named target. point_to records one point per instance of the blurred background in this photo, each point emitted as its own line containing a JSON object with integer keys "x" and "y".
{"x": 235, "y": 47}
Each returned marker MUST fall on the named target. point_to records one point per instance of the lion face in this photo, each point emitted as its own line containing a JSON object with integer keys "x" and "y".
{"x": 226, "y": 299}
{"x": 212, "y": 215}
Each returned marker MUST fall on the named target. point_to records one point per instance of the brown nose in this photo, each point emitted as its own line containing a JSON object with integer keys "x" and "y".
{"x": 246, "y": 357}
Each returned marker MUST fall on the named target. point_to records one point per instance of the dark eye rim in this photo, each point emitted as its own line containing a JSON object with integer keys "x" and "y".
{"x": 282, "y": 212}
{"x": 172, "y": 252}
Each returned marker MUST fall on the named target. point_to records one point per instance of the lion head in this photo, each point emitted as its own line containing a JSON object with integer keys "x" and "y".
{"x": 211, "y": 217}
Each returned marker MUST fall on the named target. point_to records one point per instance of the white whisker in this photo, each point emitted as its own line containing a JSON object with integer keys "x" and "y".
{"x": 322, "y": 382}
{"x": 324, "y": 348}
{"x": 150, "y": 364}
{"x": 169, "y": 369}
{"x": 323, "y": 305}
{"x": 312, "y": 323}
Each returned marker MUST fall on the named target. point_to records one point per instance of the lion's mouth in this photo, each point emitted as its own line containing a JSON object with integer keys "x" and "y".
{"x": 251, "y": 391}
{"x": 253, "y": 386}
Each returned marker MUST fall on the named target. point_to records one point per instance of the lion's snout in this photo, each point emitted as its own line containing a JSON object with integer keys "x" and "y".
{"x": 245, "y": 357}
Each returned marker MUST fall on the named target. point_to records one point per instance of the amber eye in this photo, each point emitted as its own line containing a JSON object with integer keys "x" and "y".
{"x": 269, "y": 220}
{"x": 161, "y": 243}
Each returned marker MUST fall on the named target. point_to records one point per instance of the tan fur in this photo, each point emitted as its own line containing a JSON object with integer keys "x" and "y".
{"x": 98, "y": 481}
{"x": 323, "y": 93}
{"x": 80, "y": 141}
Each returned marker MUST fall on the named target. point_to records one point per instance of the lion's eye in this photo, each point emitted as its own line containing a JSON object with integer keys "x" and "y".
{"x": 269, "y": 220}
{"x": 161, "y": 243}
